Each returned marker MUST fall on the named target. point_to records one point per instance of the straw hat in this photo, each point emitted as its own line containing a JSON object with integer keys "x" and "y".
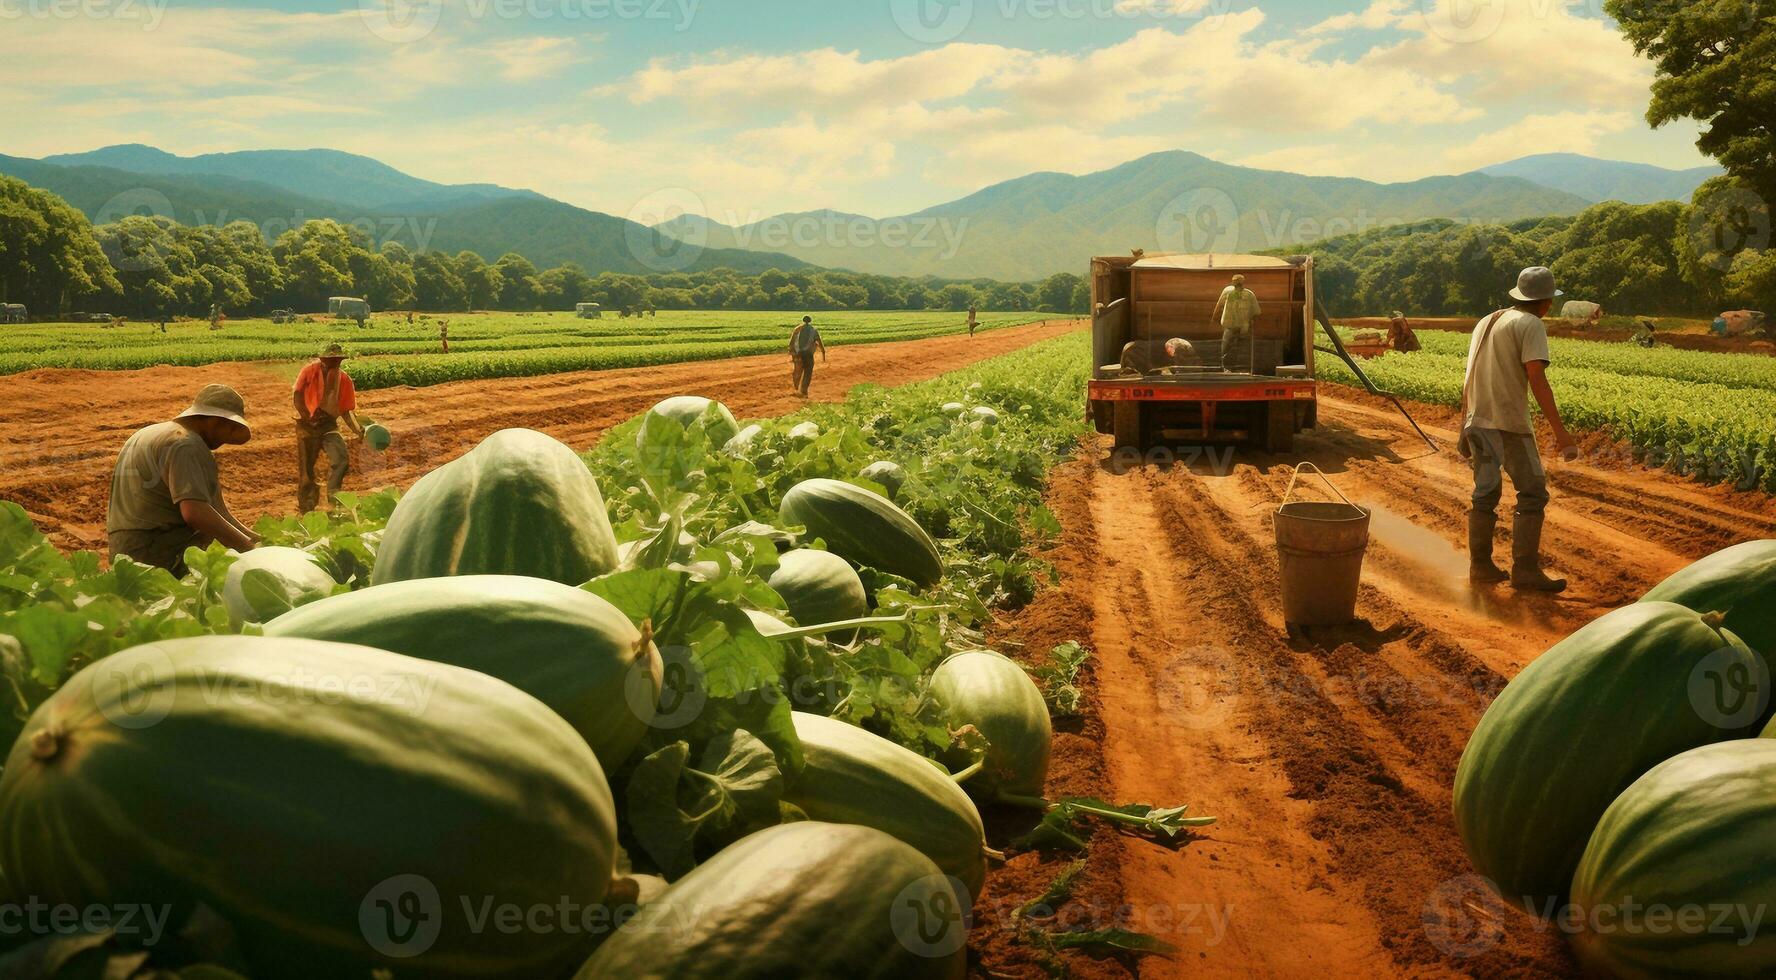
{"x": 332, "y": 352}
{"x": 219, "y": 402}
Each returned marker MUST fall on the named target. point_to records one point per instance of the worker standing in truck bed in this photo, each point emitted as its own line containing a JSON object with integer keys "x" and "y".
{"x": 1235, "y": 311}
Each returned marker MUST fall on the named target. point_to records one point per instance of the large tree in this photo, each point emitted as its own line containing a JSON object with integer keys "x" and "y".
{"x": 48, "y": 255}
{"x": 1714, "y": 59}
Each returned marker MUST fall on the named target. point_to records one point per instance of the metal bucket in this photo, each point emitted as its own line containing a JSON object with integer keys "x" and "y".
{"x": 1321, "y": 548}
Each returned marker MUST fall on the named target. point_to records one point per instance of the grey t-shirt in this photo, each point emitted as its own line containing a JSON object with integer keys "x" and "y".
{"x": 805, "y": 339}
{"x": 1498, "y": 384}
{"x": 159, "y": 467}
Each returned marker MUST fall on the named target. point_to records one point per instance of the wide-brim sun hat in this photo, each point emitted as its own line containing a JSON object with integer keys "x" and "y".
{"x": 332, "y": 352}
{"x": 219, "y": 402}
{"x": 1536, "y": 284}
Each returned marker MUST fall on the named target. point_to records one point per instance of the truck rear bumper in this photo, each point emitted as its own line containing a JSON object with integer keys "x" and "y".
{"x": 1234, "y": 388}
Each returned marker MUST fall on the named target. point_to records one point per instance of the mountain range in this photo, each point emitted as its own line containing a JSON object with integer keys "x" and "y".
{"x": 1020, "y": 229}
{"x": 1606, "y": 180}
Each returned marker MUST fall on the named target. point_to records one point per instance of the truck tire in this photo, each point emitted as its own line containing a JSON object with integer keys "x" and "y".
{"x": 1130, "y": 426}
{"x": 1279, "y": 428}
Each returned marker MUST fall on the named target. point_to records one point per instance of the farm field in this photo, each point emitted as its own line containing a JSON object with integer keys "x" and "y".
{"x": 1314, "y": 755}
{"x": 392, "y": 352}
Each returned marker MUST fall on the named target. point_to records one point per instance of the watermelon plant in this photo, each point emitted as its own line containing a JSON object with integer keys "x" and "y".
{"x": 268, "y": 582}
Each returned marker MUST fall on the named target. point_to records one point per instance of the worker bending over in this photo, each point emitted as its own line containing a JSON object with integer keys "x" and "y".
{"x": 324, "y": 395}
{"x": 1507, "y": 362}
{"x": 166, "y": 492}
{"x": 1235, "y": 311}
{"x": 1400, "y": 335}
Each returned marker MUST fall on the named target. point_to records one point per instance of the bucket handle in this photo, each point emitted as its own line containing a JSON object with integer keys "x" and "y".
{"x": 1323, "y": 479}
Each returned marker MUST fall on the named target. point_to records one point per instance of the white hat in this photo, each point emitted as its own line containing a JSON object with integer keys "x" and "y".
{"x": 1535, "y": 285}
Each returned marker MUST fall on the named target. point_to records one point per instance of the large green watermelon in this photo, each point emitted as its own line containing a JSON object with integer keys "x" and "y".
{"x": 852, "y": 776}
{"x": 688, "y": 410}
{"x": 995, "y": 695}
{"x": 819, "y": 587}
{"x": 800, "y": 901}
{"x": 520, "y": 503}
{"x": 864, "y": 527}
{"x": 337, "y": 805}
{"x": 1582, "y": 722}
{"x": 1679, "y": 879}
{"x": 564, "y": 646}
{"x": 1740, "y": 582}
{"x": 267, "y": 582}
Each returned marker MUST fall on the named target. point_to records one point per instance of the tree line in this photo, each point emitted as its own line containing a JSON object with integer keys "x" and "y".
{"x": 52, "y": 259}
{"x": 1669, "y": 258}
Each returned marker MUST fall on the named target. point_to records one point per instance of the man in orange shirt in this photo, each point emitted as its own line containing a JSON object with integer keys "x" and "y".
{"x": 323, "y": 395}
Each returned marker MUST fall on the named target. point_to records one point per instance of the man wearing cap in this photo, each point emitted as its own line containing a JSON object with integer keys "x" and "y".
{"x": 802, "y": 344}
{"x": 324, "y": 394}
{"x": 1235, "y": 311}
{"x": 166, "y": 494}
{"x": 1507, "y": 363}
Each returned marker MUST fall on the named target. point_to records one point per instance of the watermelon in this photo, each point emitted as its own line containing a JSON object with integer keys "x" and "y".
{"x": 1581, "y": 723}
{"x": 852, "y": 776}
{"x": 1687, "y": 839}
{"x": 335, "y": 804}
{"x": 742, "y": 442}
{"x": 378, "y": 437}
{"x": 864, "y": 527}
{"x": 889, "y": 476}
{"x": 267, "y": 582}
{"x": 805, "y": 433}
{"x": 1740, "y": 582}
{"x": 986, "y": 416}
{"x": 995, "y": 695}
{"x": 954, "y": 408}
{"x": 819, "y": 587}
{"x": 799, "y": 901}
{"x": 520, "y": 503}
{"x": 566, "y": 647}
{"x": 687, "y": 411}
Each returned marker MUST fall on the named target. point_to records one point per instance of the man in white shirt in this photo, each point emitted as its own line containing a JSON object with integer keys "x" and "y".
{"x": 1235, "y": 311}
{"x": 1507, "y": 362}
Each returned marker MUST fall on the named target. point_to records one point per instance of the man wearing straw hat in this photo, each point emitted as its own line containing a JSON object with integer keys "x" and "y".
{"x": 166, "y": 493}
{"x": 1507, "y": 363}
{"x": 323, "y": 395}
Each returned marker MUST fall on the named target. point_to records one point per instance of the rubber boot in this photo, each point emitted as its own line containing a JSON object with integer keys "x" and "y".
{"x": 1526, "y": 553}
{"x": 1481, "y": 570}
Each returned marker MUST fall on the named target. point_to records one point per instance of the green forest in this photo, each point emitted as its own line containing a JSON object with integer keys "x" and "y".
{"x": 53, "y": 260}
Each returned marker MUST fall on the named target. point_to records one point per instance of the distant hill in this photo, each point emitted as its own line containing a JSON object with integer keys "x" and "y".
{"x": 326, "y": 174}
{"x": 1050, "y": 222}
{"x": 545, "y": 231}
{"x": 1606, "y": 180}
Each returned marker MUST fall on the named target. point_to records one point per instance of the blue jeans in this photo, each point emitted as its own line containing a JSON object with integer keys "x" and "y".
{"x": 1498, "y": 454}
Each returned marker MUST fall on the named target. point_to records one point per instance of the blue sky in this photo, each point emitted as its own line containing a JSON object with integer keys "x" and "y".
{"x": 745, "y": 108}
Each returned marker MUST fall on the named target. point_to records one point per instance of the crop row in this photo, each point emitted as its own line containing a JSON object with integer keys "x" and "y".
{"x": 139, "y": 345}
{"x": 1715, "y": 430}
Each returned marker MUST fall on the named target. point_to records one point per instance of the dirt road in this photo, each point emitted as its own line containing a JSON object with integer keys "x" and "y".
{"x": 1329, "y": 761}
{"x": 60, "y": 430}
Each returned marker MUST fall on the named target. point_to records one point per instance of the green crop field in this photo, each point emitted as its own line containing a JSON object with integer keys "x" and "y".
{"x": 1707, "y": 415}
{"x": 494, "y": 345}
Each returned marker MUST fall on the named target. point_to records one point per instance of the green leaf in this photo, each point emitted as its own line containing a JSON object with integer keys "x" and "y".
{"x": 675, "y": 808}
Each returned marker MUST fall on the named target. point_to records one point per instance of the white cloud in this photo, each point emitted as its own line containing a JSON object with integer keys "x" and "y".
{"x": 531, "y": 58}
{"x": 1558, "y": 132}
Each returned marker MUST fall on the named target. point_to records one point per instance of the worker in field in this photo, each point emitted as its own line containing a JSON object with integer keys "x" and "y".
{"x": 324, "y": 396}
{"x": 973, "y": 317}
{"x": 1236, "y": 310}
{"x": 802, "y": 345}
{"x": 1643, "y": 333}
{"x": 1507, "y": 364}
{"x": 1400, "y": 335}
{"x": 166, "y": 492}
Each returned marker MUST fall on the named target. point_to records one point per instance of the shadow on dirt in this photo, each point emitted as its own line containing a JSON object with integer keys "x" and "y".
{"x": 1332, "y": 447}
